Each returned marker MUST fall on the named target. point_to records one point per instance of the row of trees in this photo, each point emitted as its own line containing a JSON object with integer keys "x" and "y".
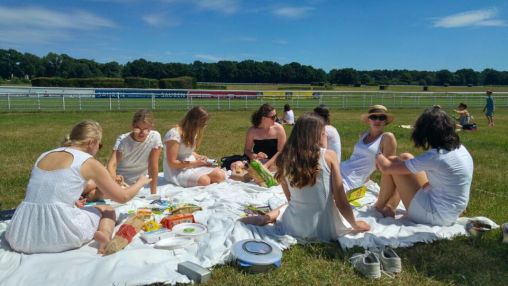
{"x": 26, "y": 65}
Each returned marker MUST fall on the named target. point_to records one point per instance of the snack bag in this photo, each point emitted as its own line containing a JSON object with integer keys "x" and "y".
{"x": 261, "y": 175}
{"x": 124, "y": 235}
{"x": 356, "y": 193}
{"x": 170, "y": 221}
{"x": 185, "y": 209}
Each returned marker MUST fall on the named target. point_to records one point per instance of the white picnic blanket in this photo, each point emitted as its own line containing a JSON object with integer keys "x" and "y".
{"x": 222, "y": 204}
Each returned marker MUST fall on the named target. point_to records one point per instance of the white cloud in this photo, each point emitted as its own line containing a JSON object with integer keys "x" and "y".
{"x": 224, "y": 6}
{"x": 160, "y": 20}
{"x": 44, "y": 18}
{"x": 280, "y": 42}
{"x": 486, "y": 17}
{"x": 208, "y": 57}
{"x": 39, "y": 25}
{"x": 292, "y": 12}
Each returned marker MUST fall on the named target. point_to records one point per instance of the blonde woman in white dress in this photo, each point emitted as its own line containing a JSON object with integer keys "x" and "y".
{"x": 47, "y": 220}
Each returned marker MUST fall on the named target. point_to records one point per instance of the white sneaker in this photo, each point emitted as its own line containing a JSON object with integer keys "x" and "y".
{"x": 390, "y": 261}
{"x": 367, "y": 263}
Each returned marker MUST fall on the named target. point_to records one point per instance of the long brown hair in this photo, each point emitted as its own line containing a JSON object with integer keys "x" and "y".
{"x": 299, "y": 159}
{"x": 193, "y": 125}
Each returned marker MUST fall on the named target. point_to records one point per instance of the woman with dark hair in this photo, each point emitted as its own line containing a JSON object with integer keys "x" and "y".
{"x": 289, "y": 115}
{"x": 265, "y": 138}
{"x": 332, "y": 135}
{"x": 310, "y": 177}
{"x": 182, "y": 166}
{"x": 434, "y": 187}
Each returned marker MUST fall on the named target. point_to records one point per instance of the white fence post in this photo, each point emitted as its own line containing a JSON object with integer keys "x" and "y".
{"x": 63, "y": 101}
{"x": 9, "y": 101}
{"x": 153, "y": 101}
{"x": 110, "y": 105}
{"x": 38, "y": 101}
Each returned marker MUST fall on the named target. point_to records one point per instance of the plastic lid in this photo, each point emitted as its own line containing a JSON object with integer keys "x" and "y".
{"x": 256, "y": 252}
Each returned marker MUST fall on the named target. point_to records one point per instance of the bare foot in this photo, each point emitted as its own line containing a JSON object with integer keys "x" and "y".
{"x": 388, "y": 212}
{"x": 256, "y": 219}
{"x": 102, "y": 238}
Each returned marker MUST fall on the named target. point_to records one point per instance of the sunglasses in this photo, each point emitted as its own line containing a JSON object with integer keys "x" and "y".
{"x": 139, "y": 130}
{"x": 377, "y": 117}
{"x": 273, "y": 117}
{"x": 100, "y": 146}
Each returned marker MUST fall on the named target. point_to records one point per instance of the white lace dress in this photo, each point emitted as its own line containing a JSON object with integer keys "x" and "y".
{"x": 47, "y": 220}
{"x": 182, "y": 177}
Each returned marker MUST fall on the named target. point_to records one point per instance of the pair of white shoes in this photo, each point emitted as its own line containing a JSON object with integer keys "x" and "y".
{"x": 373, "y": 262}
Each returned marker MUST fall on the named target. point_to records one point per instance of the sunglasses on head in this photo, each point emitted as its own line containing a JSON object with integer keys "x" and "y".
{"x": 377, "y": 117}
{"x": 100, "y": 146}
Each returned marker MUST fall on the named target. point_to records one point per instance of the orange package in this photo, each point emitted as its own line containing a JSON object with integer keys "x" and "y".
{"x": 170, "y": 221}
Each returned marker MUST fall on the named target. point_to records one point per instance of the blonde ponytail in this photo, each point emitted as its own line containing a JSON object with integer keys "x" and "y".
{"x": 83, "y": 132}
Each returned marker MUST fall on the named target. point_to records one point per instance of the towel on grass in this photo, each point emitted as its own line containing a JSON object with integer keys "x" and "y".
{"x": 140, "y": 263}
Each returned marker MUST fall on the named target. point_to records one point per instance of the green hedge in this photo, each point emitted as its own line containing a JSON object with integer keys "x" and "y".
{"x": 78, "y": 82}
{"x": 141, "y": 82}
{"x": 183, "y": 82}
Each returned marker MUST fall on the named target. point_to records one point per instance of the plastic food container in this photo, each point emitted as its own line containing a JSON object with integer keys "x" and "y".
{"x": 190, "y": 230}
{"x": 256, "y": 256}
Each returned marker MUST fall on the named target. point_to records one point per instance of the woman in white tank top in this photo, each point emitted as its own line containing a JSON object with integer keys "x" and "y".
{"x": 310, "y": 177}
{"x": 357, "y": 169}
{"x": 47, "y": 220}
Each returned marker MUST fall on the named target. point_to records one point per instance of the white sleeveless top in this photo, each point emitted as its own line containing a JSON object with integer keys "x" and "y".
{"x": 311, "y": 213}
{"x": 361, "y": 164}
{"x": 47, "y": 220}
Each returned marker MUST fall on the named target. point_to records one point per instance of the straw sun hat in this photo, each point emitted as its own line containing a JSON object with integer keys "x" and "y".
{"x": 377, "y": 110}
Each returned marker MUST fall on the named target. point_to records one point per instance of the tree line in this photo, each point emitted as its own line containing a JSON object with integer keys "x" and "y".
{"x": 14, "y": 64}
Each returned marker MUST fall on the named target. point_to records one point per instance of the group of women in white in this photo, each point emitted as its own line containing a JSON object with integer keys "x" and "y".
{"x": 434, "y": 186}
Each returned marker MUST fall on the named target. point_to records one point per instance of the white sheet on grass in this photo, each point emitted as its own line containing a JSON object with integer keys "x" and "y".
{"x": 222, "y": 204}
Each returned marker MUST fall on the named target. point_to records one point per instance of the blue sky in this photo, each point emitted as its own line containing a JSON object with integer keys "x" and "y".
{"x": 365, "y": 35}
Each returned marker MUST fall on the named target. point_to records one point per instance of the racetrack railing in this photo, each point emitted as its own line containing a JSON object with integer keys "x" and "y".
{"x": 233, "y": 100}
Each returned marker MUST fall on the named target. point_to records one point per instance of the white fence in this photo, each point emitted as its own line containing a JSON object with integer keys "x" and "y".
{"x": 51, "y": 99}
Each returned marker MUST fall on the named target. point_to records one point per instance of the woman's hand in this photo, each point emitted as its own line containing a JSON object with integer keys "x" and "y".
{"x": 119, "y": 179}
{"x": 260, "y": 156}
{"x": 361, "y": 226}
{"x": 143, "y": 180}
{"x": 80, "y": 203}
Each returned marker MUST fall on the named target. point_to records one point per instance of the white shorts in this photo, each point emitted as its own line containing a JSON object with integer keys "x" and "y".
{"x": 421, "y": 209}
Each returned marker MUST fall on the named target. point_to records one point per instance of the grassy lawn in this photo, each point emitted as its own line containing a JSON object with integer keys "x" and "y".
{"x": 25, "y": 135}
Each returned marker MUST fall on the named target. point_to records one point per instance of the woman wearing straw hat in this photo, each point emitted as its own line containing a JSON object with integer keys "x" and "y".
{"x": 357, "y": 169}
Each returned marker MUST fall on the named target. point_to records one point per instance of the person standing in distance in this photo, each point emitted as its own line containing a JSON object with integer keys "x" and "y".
{"x": 489, "y": 108}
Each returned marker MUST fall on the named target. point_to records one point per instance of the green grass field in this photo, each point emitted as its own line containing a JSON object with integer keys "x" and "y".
{"x": 457, "y": 262}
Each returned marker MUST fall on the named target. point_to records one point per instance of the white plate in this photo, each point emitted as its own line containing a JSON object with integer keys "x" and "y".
{"x": 173, "y": 243}
{"x": 189, "y": 229}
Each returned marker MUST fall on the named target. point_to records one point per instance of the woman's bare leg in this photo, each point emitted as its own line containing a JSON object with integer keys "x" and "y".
{"x": 106, "y": 226}
{"x": 269, "y": 217}
{"x": 217, "y": 176}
